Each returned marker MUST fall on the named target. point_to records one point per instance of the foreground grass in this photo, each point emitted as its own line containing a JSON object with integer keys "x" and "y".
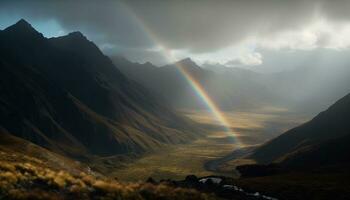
{"x": 24, "y": 177}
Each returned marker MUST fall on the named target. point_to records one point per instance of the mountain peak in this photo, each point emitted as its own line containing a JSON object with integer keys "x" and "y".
{"x": 187, "y": 63}
{"x": 76, "y": 37}
{"x": 77, "y": 34}
{"x": 23, "y": 22}
{"x": 21, "y": 25}
{"x": 148, "y": 64}
{"x": 23, "y": 28}
{"x": 78, "y": 43}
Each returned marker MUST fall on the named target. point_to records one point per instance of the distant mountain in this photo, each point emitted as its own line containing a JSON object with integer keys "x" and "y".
{"x": 235, "y": 88}
{"x": 215, "y": 67}
{"x": 65, "y": 95}
{"x": 230, "y": 88}
{"x": 322, "y": 141}
{"x": 220, "y": 68}
{"x": 167, "y": 82}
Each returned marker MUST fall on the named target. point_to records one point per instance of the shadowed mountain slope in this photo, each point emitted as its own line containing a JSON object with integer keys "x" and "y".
{"x": 64, "y": 94}
{"x": 322, "y": 141}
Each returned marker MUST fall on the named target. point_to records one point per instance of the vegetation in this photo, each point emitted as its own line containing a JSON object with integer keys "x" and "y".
{"x": 178, "y": 161}
{"x": 29, "y": 178}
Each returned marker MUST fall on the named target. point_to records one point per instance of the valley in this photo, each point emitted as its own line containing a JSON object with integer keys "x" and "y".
{"x": 178, "y": 161}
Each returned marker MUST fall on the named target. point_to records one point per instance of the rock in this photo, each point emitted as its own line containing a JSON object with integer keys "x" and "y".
{"x": 191, "y": 179}
{"x": 151, "y": 180}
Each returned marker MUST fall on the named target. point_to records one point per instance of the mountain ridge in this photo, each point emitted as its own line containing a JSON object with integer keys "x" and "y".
{"x": 76, "y": 102}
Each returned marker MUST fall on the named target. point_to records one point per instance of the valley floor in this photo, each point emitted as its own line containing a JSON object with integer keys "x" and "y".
{"x": 178, "y": 161}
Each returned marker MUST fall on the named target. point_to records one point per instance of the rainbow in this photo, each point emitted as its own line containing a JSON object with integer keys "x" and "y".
{"x": 196, "y": 86}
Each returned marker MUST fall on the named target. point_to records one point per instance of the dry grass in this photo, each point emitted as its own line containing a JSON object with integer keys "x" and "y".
{"x": 176, "y": 162}
{"x": 23, "y": 178}
{"x": 254, "y": 127}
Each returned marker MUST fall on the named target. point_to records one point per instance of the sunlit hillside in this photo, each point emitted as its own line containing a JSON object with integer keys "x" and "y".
{"x": 29, "y": 172}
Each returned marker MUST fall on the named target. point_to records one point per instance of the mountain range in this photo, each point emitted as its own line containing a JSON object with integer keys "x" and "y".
{"x": 65, "y": 95}
{"x": 234, "y": 88}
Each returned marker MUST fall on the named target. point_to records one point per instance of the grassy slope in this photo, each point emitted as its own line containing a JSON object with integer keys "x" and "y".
{"x": 330, "y": 124}
{"x": 31, "y": 172}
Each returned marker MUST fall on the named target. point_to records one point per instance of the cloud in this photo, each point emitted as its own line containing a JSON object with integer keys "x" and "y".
{"x": 251, "y": 59}
{"x": 320, "y": 34}
{"x": 107, "y": 22}
{"x": 194, "y": 26}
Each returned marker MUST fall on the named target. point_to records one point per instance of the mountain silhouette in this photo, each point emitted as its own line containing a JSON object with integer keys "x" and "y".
{"x": 65, "y": 95}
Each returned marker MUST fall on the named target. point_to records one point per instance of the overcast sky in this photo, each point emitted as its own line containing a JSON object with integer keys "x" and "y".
{"x": 232, "y": 32}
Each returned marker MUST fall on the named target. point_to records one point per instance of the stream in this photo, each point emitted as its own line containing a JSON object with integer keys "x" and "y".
{"x": 213, "y": 165}
{"x": 226, "y": 189}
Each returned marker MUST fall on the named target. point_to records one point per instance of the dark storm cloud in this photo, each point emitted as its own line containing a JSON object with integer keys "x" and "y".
{"x": 106, "y": 22}
{"x": 196, "y": 25}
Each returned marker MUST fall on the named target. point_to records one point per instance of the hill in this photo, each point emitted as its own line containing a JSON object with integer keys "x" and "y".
{"x": 321, "y": 141}
{"x": 310, "y": 161}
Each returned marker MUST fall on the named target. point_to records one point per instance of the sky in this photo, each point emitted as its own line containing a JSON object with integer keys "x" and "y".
{"x": 243, "y": 33}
